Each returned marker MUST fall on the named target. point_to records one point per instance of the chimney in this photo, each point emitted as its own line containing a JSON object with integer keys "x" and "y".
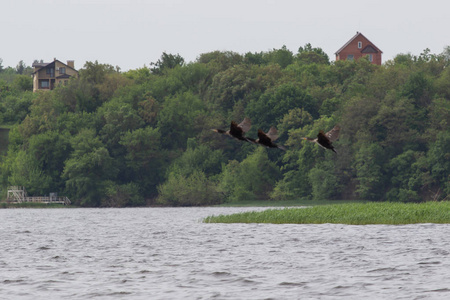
{"x": 71, "y": 63}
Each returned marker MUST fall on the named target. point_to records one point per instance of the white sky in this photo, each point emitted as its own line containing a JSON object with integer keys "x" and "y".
{"x": 133, "y": 33}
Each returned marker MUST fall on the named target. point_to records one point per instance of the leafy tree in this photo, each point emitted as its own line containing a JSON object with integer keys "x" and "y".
{"x": 439, "y": 118}
{"x": 275, "y": 103}
{"x": 369, "y": 166}
{"x": 23, "y": 83}
{"x": 404, "y": 59}
{"x": 122, "y": 195}
{"x": 167, "y": 61}
{"x": 282, "y": 57}
{"x": 88, "y": 169}
{"x": 195, "y": 189}
{"x": 177, "y": 119}
{"x": 295, "y": 118}
{"x": 193, "y": 77}
{"x": 50, "y": 150}
{"x": 295, "y": 183}
{"x": 241, "y": 83}
{"x": 251, "y": 179}
{"x": 139, "y": 76}
{"x": 148, "y": 110}
{"x": 144, "y": 158}
{"x": 198, "y": 157}
{"x": 406, "y": 177}
{"x": 95, "y": 73}
{"x": 439, "y": 160}
{"x": 111, "y": 83}
{"x": 73, "y": 123}
{"x": 308, "y": 55}
{"x": 117, "y": 118}
{"x": 221, "y": 60}
{"x": 257, "y": 58}
{"x": 443, "y": 83}
{"x": 24, "y": 170}
{"x": 396, "y": 123}
{"x": 356, "y": 114}
{"x": 418, "y": 87}
{"x": 324, "y": 182}
{"x": 78, "y": 96}
{"x": 20, "y": 68}
{"x": 44, "y": 112}
{"x": 14, "y": 108}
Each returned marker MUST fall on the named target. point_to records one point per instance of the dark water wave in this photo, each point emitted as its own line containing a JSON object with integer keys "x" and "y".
{"x": 167, "y": 253}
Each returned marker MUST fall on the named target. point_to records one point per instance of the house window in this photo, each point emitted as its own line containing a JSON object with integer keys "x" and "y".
{"x": 370, "y": 57}
{"x": 45, "y": 84}
{"x": 62, "y": 70}
{"x": 51, "y": 71}
{"x": 359, "y": 45}
{"x": 350, "y": 57}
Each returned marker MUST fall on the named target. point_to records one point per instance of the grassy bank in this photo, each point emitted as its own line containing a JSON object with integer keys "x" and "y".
{"x": 350, "y": 213}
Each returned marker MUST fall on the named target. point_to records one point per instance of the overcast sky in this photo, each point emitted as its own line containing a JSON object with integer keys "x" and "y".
{"x": 133, "y": 33}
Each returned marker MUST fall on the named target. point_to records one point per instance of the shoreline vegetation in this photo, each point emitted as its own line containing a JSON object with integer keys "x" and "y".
{"x": 388, "y": 213}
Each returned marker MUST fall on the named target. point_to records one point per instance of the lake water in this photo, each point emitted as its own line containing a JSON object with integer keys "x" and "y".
{"x": 167, "y": 253}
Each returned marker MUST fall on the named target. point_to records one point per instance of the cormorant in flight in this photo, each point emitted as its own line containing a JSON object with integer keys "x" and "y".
{"x": 267, "y": 139}
{"x": 237, "y": 131}
{"x": 325, "y": 140}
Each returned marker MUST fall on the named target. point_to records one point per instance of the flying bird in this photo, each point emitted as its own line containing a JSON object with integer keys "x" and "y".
{"x": 237, "y": 131}
{"x": 267, "y": 139}
{"x": 325, "y": 140}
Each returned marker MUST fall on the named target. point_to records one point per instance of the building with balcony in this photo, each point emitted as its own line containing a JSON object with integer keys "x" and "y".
{"x": 47, "y": 76}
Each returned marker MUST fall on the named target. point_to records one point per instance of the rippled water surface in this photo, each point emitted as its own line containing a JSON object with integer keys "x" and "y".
{"x": 167, "y": 253}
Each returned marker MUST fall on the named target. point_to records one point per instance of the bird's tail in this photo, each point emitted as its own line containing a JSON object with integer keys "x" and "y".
{"x": 281, "y": 147}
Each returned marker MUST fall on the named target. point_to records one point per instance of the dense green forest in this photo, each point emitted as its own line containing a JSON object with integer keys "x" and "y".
{"x": 143, "y": 137}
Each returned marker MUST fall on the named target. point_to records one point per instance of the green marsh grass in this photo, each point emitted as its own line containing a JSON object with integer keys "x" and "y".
{"x": 393, "y": 213}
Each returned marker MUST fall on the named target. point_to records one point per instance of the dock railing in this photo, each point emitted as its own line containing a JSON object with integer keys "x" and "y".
{"x": 18, "y": 194}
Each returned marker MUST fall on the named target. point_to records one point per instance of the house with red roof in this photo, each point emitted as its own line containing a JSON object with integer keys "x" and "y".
{"x": 357, "y": 47}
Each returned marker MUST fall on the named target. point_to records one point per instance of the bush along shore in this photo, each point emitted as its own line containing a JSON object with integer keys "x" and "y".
{"x": 392, "y": 213}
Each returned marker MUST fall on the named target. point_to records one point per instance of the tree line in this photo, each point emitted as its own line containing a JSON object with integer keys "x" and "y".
{"x": 143, "y": 137}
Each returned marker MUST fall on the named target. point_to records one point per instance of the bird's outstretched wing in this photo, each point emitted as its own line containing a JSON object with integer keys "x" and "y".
{"x": 273, "y": 134}
{"x": 333, "y": 134}
{"x": 245, "y": 125}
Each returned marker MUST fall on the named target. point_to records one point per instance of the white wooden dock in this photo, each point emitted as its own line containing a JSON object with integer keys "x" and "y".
{"x": 18, "y": 194}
